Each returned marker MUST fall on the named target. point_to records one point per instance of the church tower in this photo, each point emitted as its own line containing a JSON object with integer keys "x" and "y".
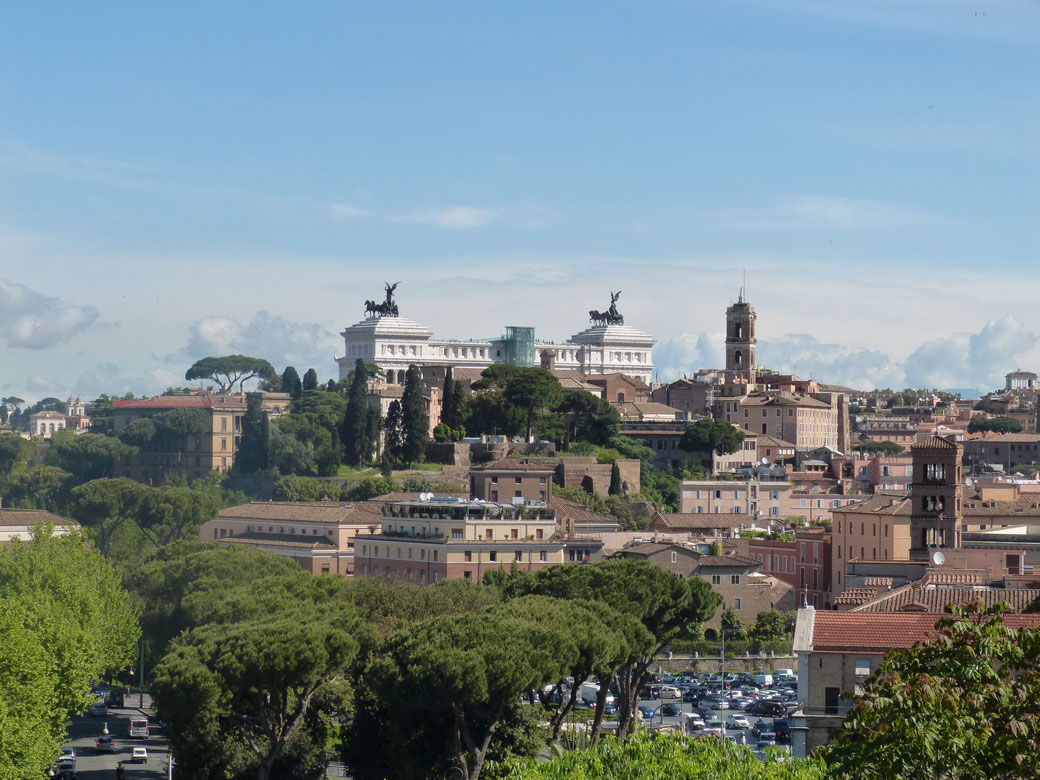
{"x": 740, "y": 342}
{"x": 936, "y": 493}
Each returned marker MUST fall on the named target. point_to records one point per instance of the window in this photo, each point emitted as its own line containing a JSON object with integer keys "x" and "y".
{"x": 518, "y": 480}
{"x": 494, "y": 480}
{"x": 223, "y": 445}
{"x": 493, "y": 556}
{"x": 513, "y": 533}
{"x": 539, "y": 533}
{"x": 223, "y": 423}
{"x": 674, "y": 556}
{"x": 734, "y": 579}
{"x": 456, "y": 533}
{"x": 831, "y": 698}
{"x": 541, "y": 480}
{"x": 467, "y": 556}
{"x": 518, "y": 494}
{"x": 467, "y": 575}
{"x": 519, "y": 556}
{"x": 716, "y": 579}
{"x": 736, "y": 603}
{"x": 543, "y": 556}
{"x": 862, "y": 667}
{"x": 488, "y": 533}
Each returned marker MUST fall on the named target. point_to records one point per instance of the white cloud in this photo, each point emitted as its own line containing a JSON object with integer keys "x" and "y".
{"x": 821, "y": 212}
{"x": 837, "y": 364}
{"x": 457, "y": 217}
{"x": 971, "y": 359}
{"x": 684, "y": 354}
{"x": 451, "y": 217}
{"x": 278, "y": 340}
{"x": 33, "y": 320}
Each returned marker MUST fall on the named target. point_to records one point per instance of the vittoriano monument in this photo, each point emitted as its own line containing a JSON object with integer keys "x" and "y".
{"x": 387, "y": 308}
{"x": 609, "y": 317}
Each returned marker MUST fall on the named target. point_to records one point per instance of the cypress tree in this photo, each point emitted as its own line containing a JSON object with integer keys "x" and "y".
{"x": 291, "y": 383}
{"x": 615, "y": 480}
{"x": 310, "y": 380}
{"x": 392, "y": 440}
{"x": 252, "y": 452}
{"x": 354, "y": 431}
{"x": 451, "y": 401}
{"x": 415, "y": 424}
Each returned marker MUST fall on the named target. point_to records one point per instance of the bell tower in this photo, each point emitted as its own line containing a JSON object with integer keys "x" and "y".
{"x": 740, "y": 342}
{"x": 936, "y": 493}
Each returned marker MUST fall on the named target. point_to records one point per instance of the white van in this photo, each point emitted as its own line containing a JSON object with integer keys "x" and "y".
{"x": 589, "y": 692}
{"x": 784, "y": 673}
{"x": 763, "y": 679}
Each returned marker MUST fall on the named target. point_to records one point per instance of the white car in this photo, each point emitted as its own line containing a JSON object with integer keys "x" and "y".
{"x": 670, "y": 692}
{"x": 139, "y": 756}
{"x": 738, "y": 722}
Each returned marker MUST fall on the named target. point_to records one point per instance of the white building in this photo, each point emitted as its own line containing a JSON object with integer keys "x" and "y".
{"x": 394, "y": 343}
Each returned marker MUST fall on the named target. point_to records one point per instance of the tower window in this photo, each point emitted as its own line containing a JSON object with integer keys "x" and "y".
{"x": 737, "y": 357}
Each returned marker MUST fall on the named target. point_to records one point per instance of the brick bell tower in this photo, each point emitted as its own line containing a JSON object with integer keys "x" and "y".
{"x": 740, "y": 342}
{"x": 936, "y": 495}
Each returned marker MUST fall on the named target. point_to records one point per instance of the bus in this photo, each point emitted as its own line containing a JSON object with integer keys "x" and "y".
{"x": 138, "y": 726}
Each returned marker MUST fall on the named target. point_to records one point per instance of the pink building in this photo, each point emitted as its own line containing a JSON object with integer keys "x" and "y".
{"x": 804, "y": 563}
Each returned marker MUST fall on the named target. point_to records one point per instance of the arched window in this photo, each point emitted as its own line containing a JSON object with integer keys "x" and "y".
{"x": 738, "y": 331}
{"x": 737, "y": 358}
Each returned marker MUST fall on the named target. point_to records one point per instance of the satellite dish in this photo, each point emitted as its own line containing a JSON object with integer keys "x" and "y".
{"x": 938, "y": 558}
{"x": 424, "y": 496}
{"x": 765, "y": 461}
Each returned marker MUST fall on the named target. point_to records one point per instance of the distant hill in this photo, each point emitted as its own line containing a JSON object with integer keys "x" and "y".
{"x": 967, "y": 393}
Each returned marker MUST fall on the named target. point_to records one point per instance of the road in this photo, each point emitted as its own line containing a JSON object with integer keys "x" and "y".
{"x": 91, "y": 765}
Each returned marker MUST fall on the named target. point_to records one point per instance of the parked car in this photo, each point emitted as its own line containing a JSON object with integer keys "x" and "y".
{"x": 692, "y": 695}
{"x": 139, "y": 756}
{"x": 105, "y": 745}
{"x": 670, "y": 709}
{"x": 670, "y": 692}
{"x": 645, "y": 711}
{"x": 738, "y": 722}
{"x": 692, "y": 721}
{"x": 715, "y": 702}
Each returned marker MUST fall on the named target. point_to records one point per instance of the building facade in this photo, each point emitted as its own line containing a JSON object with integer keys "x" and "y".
{"x": 394, "y": 342}
{"x": 804, "y": 563}
{"x": 427, "y": 541}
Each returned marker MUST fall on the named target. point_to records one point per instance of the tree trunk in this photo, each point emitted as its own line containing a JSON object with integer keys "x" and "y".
{"x": 557, "y": 721}
{"x": 601, "y": 703}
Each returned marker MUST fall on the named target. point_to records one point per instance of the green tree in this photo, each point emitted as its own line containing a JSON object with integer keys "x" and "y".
{"x": 354, "y": 428}
{"x": 732, "y": 624}
{"x": 310, "y": 379}
{"x": 472, "y": 668}
{"x": 393, "y": 434}
{"x": 38, "y": 487}
{"x": 711, "y": 435}
{"x": 294, "y": 488}
{"x": 324, "y": 408}
{"x": 589, "y": 418}
{"x": 86, "y": 456}
{"x": 415, "y": 424}
{"x": 772, "y": 626}
{"x": 615, "y": 480}
{"x": 668, "y": 607}
{"x": 289, "y": 452}
{"x": 961, "y": 704}
{"x": 650, "y": 755}
{"x": 231, "y": 370}
{"x": 13, "y": 449}
{"x": 452, "y": 401}
{"x": 530, "y": 389}
{"x": 291, "y": 383}
{"x": 994, "y": 424}
{"x": 66, "y": 622}
{"x": 253, "y": 453}
{"x": 253, "y": 680}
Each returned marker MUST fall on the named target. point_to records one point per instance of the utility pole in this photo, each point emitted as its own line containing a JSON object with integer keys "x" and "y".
{"x": 140, "y": 674}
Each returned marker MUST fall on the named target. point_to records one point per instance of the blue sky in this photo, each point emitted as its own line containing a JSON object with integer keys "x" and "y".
{"x": 188, "y": 179}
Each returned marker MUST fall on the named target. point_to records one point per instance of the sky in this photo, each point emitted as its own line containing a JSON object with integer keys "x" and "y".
{"x": 188, "y": 179}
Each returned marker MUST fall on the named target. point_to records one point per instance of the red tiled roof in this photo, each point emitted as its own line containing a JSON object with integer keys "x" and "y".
{"x": 881, "y": 631}
{"x": 517, "y": 464}
{"x": 335, "y": 512}
{"x": 702, "y": 521}
{"x": 32, "y": 517}
{"x": 165, "y": 402}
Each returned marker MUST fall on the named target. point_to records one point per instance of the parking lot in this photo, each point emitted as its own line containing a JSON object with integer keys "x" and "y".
{"x": 84, "y": 731}
{"x": 717, "y": 707}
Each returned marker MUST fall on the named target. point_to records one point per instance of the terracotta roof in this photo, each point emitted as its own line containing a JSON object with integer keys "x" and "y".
{"x": 877, "y": 582}
{"x": 165, "y": 402}
{"x": 332, "y": 512}
{"x": 721, "y": 561}
{"x": 637, "y": 410}
{"x": 812, "y": 476}
{"x": 882, "y": 631}
{"x": 881, "y": 503}
{"x": 650, "y": 548}
{"x": 692, "y": 520}
{"x": 578, "y": 513}
{"x": 32, "y": 517}
{"x": 254, "y": 539}
{"x": 517, "y": 464}
{"x": 764, "y": 440}
{"x": 1000, "y": 438}
{"x": 856, "y": 596}
{"x": 920, "y": 597}
{"x": 47, "y": 415}
{"x": 934, "y": 443}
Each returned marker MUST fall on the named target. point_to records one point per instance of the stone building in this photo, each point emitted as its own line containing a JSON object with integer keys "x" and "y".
{"x": 394, "y": 342}
{"x": 318, "y": 535}
{"x": 759, "y": 498}
{"x": 427, "y": 541}
{"x": 192, "y": 456}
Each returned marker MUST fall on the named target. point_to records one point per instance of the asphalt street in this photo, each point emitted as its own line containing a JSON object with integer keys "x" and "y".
{"x": 92, "y": 765}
